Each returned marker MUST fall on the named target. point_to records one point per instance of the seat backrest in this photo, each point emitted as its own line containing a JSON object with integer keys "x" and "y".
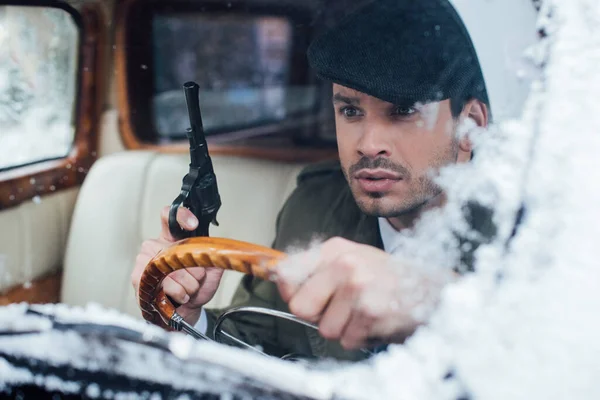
{"x": 119, "y": 207}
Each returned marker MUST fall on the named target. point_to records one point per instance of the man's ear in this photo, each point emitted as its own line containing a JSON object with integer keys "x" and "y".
{"x": 476, "y": 111}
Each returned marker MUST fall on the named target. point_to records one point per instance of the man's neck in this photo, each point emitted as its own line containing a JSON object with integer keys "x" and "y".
{"x": 409, "y": 218}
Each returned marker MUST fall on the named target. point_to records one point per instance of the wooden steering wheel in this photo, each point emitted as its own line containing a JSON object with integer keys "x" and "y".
{"x": 207, "y": 251}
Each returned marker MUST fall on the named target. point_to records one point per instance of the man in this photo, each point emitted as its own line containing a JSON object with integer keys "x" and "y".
{"x": 404, "y": 77}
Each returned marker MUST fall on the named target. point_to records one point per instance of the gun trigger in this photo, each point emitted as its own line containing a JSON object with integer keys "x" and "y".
{"x": 214, "y": 221}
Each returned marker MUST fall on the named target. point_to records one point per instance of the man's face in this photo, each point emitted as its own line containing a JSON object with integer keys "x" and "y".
{"x": 388, "y": 151}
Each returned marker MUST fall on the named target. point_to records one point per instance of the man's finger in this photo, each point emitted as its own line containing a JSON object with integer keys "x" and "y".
{"x": 186, "y": 219}
{"x": 295, "y": 270}
{"x": 286, "y": 290}
{"x": 176, "y": 291}
{"x": 189, "y": 283}
{"x": 313, "y": 295}
{"x": 198, "y": 273}
{"x": 357, "y": 332}
{"x": 298, "y": 268}
{"x": 337, "y": 314}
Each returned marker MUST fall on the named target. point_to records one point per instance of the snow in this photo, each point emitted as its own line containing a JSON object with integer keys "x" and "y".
{"x": 11, "y": 375}
{"x": 9, "y": 322}
{"x": 37, "y": 84}
{"x": 207, "y": 360}
{"x": 34, "y": 140}
{"x": 95, "y": 313}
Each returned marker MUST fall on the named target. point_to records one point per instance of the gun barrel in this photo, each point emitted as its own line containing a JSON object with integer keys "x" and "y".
{"x": 192, "y": 92}
{"x": 198, "y": 145}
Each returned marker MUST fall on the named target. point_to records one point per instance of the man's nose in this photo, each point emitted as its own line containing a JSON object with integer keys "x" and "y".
{"x": 374, "y": 143}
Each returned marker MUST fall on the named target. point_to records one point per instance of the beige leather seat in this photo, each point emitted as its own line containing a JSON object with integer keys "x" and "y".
{"x": 119, "y": 206}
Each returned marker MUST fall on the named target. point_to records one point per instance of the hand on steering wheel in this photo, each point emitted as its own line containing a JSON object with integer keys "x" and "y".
{"x": 244, "y": 257}
{"x": 221, "y": 253}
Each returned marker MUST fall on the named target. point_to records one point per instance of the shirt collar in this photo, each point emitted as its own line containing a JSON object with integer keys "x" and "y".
{"x": 389, "y": 235}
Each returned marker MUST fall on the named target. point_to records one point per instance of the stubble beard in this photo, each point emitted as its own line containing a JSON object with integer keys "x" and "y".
{"x": 421, "y": 191}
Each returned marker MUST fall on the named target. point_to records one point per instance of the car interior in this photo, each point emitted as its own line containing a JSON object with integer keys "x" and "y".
{"x": 72, "y": 225}
{"x": 93, "y": 124}
{"x": 94, "y": 120}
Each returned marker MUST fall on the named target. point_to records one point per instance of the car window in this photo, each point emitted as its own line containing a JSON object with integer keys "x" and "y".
{"x": 242, "y": 64}
{"x": 38, "y": 84}
{"x": 249, "y": 61}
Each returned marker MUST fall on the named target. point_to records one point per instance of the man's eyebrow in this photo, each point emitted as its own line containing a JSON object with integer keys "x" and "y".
{"x": 407, "y": 104}
{"x": 340, "y": 98}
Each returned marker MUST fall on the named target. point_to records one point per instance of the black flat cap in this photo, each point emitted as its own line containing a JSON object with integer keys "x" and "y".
{"x": 401, "y": 51}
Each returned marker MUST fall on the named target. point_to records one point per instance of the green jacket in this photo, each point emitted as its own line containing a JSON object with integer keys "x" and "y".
{"x": 321, "y": 206}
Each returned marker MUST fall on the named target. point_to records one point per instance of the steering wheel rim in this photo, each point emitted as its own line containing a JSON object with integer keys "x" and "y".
{"x": 228, "y": 254}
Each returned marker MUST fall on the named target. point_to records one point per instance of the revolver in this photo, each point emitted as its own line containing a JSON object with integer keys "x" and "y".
{"x": 199, "y": 191}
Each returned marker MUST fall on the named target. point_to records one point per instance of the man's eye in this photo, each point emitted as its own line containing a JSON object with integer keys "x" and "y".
{"x": 404, "y": 111}
{"x": 349, "y": 112}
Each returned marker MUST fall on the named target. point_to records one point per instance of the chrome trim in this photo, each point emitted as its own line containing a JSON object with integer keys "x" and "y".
{"x": 178, "y": 323}
{"x": 263, "y": 311}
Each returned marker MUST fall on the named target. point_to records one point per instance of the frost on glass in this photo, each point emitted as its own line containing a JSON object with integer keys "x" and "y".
{"x": 38, "y": 78}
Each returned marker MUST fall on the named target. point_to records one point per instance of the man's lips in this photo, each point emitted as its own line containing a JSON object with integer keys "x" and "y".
{"x": 375, "y": 174}
{"x": 377, "y": 180}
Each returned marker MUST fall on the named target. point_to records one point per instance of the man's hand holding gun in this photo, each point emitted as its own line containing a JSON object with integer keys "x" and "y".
{"x": 189, "y": 215}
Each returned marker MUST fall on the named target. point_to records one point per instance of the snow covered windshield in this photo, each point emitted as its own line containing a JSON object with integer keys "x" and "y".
{"x": 520, "y": 326}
